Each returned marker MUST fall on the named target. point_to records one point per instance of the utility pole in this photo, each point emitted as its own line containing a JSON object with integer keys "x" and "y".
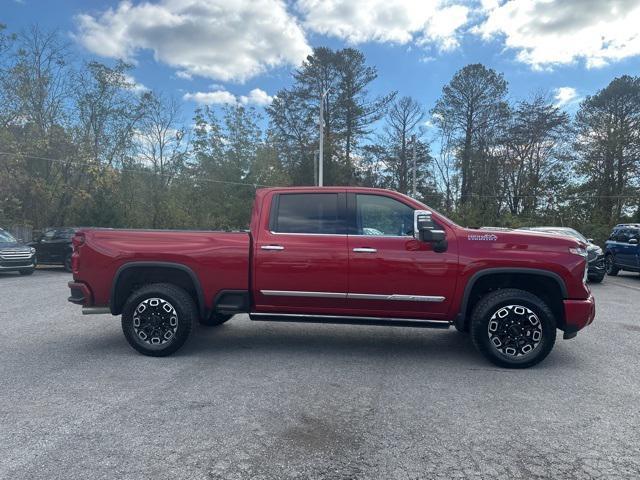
{"x": 315, "y": 167}
{"x": 413, "y": 189}
{"x": 321, "y": 146}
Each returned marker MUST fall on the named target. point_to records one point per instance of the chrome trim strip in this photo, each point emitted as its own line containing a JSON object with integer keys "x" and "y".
{"x": 310, "y": 234}
{"x": 364, "y": 250}
{"x": 397, "y": 297}
{"x": 17, "y": 267}
{"x": 288, "y": 293}
{"x": 349, "y": 317}
{"x": 354, "y": 296}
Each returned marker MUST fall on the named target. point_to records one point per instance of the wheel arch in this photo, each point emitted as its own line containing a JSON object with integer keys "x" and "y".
{"x": 543, "y": 283}
{"x": 133, "y": 274}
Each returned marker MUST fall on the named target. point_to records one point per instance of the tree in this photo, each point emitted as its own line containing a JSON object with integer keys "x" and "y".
{"x": 608, "y": 142}
{"x": 473, "y": 107}
{"x": 535, "y": 154}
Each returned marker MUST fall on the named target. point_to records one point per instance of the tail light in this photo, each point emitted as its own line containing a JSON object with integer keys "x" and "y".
{"x": 77, "y": 241}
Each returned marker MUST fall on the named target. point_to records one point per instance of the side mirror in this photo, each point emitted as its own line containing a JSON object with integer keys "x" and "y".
{"x": 590, "y": 240}
{"x": 425, "y": 230}
{"x": 633, "y": 241}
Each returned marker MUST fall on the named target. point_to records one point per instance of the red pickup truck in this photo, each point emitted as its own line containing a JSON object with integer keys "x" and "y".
{"x": 339, "y": 255}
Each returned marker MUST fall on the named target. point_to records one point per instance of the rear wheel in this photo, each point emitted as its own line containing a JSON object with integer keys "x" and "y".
{"x": 215, "y": 319}
{"x": 67, "y": 263}
{"x": 158, "y": 318}
{"x": 513, "y": 328}
{"x": 611, "y": 266}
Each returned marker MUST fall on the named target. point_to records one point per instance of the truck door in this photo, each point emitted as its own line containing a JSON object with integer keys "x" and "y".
{"x": 300, "y": 255}
{"x": 390, "y": 273}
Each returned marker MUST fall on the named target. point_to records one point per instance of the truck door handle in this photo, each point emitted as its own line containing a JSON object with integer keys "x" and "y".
{"x": 365, "y": 250}
{"x": 272, "y": 247}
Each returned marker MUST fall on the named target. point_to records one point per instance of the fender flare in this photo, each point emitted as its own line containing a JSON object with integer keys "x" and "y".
{"x": 461, "y": 319}
{"x": 171, "y": 265}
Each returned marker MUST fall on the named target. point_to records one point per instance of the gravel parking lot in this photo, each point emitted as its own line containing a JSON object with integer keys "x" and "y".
{"x": 273, "y": 401}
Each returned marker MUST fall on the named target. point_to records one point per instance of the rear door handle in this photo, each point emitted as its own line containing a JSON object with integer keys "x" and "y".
{"x": 272, "y": 247}
{"x": 365, "y": 250}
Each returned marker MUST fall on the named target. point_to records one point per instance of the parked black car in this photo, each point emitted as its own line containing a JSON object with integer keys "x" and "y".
{"x": 54, "y": 247}
{"x": 15, "y": 256}
{"x": 595, "y": 255}
{"x": 623, "y": 249}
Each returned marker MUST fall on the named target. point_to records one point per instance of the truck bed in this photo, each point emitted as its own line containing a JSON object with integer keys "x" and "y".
{"x": 219, "y": 260}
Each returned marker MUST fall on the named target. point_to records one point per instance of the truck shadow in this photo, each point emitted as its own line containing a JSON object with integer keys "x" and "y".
{"x": 405, "y": 345}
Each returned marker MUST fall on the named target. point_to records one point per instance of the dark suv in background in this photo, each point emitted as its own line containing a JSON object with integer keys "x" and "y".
{"x": 595, "y": 255}
{"x": 54, "y": 247}
{"x": 14, "y": 256}
{"x": 623, "y": 249}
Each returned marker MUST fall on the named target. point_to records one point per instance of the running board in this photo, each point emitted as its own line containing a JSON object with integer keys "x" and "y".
{"x": 348, "y": 320}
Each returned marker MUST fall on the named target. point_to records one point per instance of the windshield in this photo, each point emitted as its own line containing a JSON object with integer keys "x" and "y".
{"x": 6, "y": 237}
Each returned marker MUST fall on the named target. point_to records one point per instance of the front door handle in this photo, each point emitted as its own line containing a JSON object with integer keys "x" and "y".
{"x": 272, "y": 247}
{"x": 365, "y": 250}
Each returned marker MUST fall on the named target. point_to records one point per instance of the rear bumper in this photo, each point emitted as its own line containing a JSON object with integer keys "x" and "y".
{"x": 80, "y": 294}
{"x": 578, "y": 314}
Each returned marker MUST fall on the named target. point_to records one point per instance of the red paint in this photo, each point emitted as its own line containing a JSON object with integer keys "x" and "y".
{"x": 327, "y": 263}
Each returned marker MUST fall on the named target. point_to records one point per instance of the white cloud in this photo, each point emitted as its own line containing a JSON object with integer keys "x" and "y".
{"x": 395, "y": 21}
{"x": 135, "y": 86}
{"x": 256, "y": 96}
{"x": 555, "y": 32}
{"x": 565, "y": 96}
{"x": 219, "y": 39}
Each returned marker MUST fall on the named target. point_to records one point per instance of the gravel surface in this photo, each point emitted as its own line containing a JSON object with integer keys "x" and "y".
{"x": 253, "y": 400}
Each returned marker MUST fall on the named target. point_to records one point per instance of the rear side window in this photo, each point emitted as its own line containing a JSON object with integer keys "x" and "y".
{"x": 307, "y": 213}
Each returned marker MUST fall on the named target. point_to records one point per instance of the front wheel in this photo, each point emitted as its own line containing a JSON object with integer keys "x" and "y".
{"x": 158, "y": 318}
{"x": 513, "y": 328}
{"x": 27, "y": 271}
{"x": 596, "y": 278}
{"x": 611, "y": 266}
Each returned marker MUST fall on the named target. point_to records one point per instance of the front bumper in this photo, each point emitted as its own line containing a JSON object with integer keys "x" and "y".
{"x": 578, "y": 314}
{"x": 7, "y": 265}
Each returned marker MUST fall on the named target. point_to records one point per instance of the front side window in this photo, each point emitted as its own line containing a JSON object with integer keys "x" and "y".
{"x": 382, "y": 216}
{"x": 308, "y": 213}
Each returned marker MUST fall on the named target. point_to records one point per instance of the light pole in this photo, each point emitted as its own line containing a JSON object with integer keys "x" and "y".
{"x": 321, "y": 146}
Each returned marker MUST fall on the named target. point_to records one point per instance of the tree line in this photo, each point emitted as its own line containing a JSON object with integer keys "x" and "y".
{"x": 82, "y": 144}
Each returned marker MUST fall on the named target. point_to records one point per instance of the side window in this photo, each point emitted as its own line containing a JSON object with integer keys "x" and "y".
{"x": 307, "y": 213}
{"x": 623, "y": 235}
{"x": 380, "y": 215}
{"x": 634, "y": 234}
{"x": 49, "y": 234}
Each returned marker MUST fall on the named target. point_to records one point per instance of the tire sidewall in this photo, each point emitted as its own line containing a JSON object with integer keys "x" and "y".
{"x": 610, "y": 265}
{"x": 185, "y": 319}
{"x": 480, "y": 325}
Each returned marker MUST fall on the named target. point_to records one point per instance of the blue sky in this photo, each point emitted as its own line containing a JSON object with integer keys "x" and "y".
{"x": 221, "y": 51}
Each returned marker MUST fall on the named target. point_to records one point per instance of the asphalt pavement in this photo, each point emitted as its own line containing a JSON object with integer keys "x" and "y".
{"x": 253, "y": 400}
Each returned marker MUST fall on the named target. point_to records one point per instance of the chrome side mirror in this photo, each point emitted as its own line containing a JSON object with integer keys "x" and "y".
{"x": 425, "y": 230}
{"x": 633, "y": 241}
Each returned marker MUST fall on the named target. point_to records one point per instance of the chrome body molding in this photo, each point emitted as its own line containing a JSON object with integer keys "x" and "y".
{"x": 350, "y": 320}
{"x": 354, "y": 296}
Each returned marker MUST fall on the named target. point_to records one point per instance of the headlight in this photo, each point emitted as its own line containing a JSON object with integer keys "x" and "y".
{"x": 578, "y": 251}
{"x": 598, "y": 251}
{"x": 32, "y": 250}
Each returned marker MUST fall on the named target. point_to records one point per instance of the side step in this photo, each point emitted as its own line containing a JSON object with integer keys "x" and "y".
{"x": 348, "y": 320}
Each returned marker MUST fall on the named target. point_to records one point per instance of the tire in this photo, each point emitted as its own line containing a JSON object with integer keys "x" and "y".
{"x": 612, "y": 270}
{"x": 163, "y": 302}
{"x": 28, "y": 271}
{"x": 67, "y": 263}
{"x": 596, "y": 278}
{"x": 215, "y": 319}
{"x": 536, "y": 317}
